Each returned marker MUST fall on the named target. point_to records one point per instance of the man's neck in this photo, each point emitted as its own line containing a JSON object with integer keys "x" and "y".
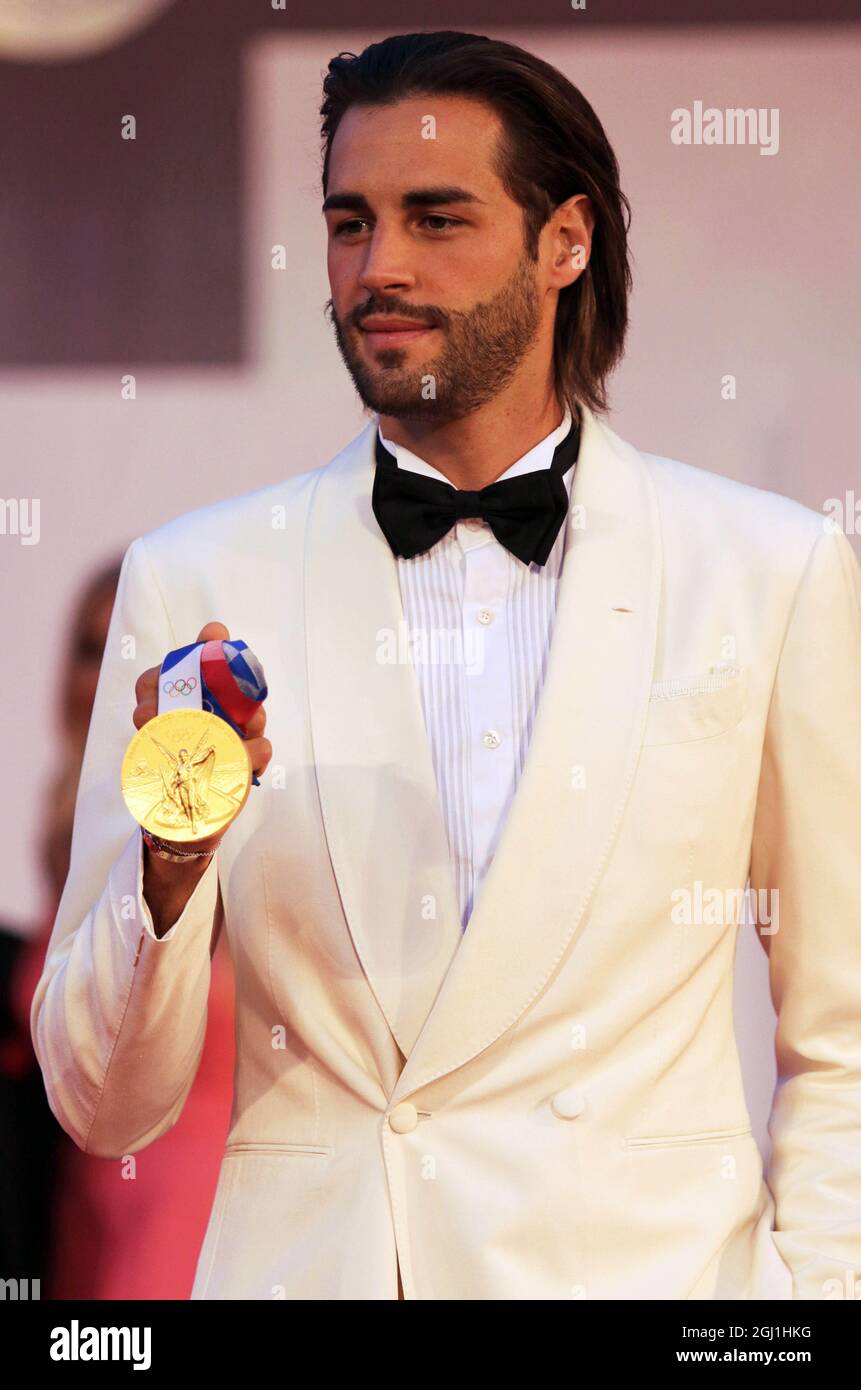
{"x": 474, "y": 451}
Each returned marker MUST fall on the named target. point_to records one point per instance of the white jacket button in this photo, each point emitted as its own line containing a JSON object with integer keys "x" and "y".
{"x": 568, "y": 1104}
{"x": 404, "y": 1118}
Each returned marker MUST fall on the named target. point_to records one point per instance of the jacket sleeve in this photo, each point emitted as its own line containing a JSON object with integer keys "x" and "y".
{"x": 118, "y": 1017}
{"x": 806, "y": 856}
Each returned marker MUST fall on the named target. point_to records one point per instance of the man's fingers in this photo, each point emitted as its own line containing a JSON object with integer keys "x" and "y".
{"x": 257, "y": 723}
{"x": 259, "y": 751}
{"x": 145, "y": 711}
{"x": 147, "y": 683}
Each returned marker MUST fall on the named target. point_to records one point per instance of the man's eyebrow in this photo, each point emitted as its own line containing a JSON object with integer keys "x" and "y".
{"x": 416, "y": 198}
{"x": 446, "y": 193}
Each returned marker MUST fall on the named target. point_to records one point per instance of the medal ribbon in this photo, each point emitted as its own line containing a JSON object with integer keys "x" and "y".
{"x": 223, "y": 677}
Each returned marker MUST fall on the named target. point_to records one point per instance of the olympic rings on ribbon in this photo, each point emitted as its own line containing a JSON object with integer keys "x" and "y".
{"x": 181, "y": 686}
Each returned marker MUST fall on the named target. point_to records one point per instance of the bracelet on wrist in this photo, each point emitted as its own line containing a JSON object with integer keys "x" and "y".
{"x": 163, "y": 850}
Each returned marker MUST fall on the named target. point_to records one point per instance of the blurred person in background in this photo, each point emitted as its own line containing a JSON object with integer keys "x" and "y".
{"x": 92, "y": 1227}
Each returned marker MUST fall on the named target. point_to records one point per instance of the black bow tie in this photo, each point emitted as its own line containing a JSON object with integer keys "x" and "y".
{"x": 524, "y": 512}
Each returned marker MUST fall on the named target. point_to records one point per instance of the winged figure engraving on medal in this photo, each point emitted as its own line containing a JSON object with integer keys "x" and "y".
{"x": 186, "y": 788}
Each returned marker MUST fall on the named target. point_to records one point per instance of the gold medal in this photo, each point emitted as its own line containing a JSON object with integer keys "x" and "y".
{"x": 186, "y": 775}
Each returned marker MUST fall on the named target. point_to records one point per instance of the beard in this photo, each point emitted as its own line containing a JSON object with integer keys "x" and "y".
{"x": 482, "y": 349}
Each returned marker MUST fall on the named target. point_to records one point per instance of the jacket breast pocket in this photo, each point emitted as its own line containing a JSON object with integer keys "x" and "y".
{"x": 686, "y": 708}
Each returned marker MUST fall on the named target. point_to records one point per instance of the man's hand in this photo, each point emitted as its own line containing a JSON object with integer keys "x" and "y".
{"x": 146, "y": 693}
{"x": 167, "y": 886}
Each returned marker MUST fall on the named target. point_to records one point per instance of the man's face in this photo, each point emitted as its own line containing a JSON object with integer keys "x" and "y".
{"x": 434, "y": 299}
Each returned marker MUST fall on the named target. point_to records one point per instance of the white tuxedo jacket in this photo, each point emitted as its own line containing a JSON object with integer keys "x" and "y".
{"x": 551, "y": 1105}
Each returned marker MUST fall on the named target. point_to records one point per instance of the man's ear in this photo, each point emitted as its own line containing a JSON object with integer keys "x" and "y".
{"x": 570, "y": 230}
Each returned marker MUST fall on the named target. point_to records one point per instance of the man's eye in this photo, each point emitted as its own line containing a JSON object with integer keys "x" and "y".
{"x": 353, "y": 224}
{"x": 439, "y": 217}
{"x": 344, "y": 228}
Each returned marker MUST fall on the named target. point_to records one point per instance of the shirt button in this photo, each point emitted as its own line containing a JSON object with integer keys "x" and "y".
{"x": 485, "y": 615}
{"x": 404, "y": 1118}
{"x": 491, "y": 739}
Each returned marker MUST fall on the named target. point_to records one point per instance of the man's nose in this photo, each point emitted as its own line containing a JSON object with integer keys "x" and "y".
{"x": 387, "y": 262}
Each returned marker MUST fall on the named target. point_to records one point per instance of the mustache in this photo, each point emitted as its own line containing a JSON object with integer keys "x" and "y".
{"x": 426, "y": 314}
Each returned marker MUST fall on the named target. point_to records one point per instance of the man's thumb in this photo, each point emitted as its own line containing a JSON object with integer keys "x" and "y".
{"x": 213, "y": 632}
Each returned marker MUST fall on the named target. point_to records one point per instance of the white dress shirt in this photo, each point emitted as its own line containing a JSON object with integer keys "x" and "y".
{"x": 479, "y": 623}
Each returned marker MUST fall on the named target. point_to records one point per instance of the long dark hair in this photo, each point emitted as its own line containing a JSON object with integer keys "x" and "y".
{"x": 554, "y": 147}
